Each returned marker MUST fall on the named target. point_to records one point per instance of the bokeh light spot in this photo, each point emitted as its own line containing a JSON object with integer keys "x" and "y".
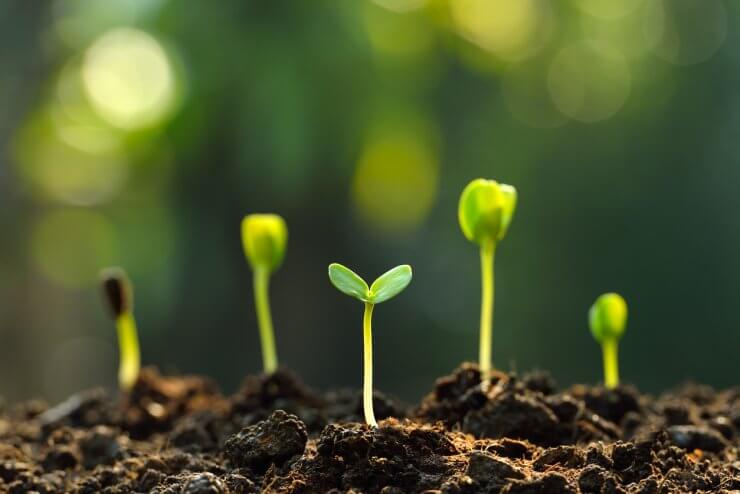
{"x": 626, "y": 33}
{"x": 77, "y": 22}
{"x": 685, "y": 32}
{"x": 400, "y": 35}
{"x": 70, "y": 246}
{"x": 67, "y": 174}
{"x": 401, "y": 6}
{"x": 129, "y": 79}
{"x": 75, "y": 122}
{"x": 608, "y": 9}
{"x": 510, "y": 29}
{"x": 527, "y": 97}
{"x": 589, "y": 81}
{"x": 395, "y": 182}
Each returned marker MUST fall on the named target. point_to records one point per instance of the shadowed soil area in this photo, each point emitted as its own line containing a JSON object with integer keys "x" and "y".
{"x": 179, "y": 434}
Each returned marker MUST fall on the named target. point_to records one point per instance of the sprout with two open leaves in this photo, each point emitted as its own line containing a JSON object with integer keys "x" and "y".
{"x": 385, "y": 287}
{"x": 485, "y": 212}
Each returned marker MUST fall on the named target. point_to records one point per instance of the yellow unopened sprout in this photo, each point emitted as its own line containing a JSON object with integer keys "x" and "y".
{"x": 485, "y": 211}
{"x": 608, "y": 320}
{"x": 120, "y": 297}
{"x": 264, "y": 237}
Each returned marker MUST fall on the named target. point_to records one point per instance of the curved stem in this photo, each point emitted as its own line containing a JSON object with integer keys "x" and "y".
{"x": 487, "y": 252}
{"x": 367, "y": 388}
{"x": 611, "y": 364}
{"x": 128, "y": 345}
{"x": 264, "y": 319}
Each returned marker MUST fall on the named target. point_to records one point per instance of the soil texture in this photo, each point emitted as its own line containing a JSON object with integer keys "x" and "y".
{"x": 180, "y": 434}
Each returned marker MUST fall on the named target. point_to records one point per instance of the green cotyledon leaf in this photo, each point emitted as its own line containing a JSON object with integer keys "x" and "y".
{"x": 349, "y": 282}
{"x": 390, "y": 284}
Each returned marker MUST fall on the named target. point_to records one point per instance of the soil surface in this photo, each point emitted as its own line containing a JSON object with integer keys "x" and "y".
{"x": 520, "y": 435}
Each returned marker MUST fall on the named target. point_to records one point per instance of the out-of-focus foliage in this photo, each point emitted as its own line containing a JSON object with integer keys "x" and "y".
{"x": 139, "y": 132}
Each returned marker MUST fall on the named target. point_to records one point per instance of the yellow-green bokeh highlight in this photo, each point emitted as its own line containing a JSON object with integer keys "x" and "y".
{"x": 685, "y": 32}
{"x": 509, "y": 30}
{"x": 75, "y": 121}
{"x": 69, "y": 245}
{"x": 129, "y": 78}
{"x": 397, "y": 177}
{"x": 589, "y": 81}
{"x": 608, "y": 9}
{"x": 51, "y": 168}
{"x": 401, "y": 6}
{"x": 394, "y": 35}
{"x": 526, "y": 94}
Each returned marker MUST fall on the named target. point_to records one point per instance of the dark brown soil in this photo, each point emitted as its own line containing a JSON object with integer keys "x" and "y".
{"x": 521, "y": 435}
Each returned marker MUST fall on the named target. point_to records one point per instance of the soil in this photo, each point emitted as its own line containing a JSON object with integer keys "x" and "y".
{"x": 179, "y": 434}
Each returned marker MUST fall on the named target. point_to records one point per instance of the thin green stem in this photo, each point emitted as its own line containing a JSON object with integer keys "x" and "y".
{"x": 128, "y": 345}
{"x": 487, "y": 253}
{"x": 264, "y": 319}
{"x": 611, "y": 363}
{"x": 367, "y": 388}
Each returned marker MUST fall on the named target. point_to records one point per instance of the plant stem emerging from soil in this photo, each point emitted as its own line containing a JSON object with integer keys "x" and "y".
{"x": 367, "y": 391}
{"x": 264, "y": 319}
{"x": 128, "y": 344}
{"x": 608, "y": 320}
{"x": 611, "y": 368}
{"x": 487, "y": 253}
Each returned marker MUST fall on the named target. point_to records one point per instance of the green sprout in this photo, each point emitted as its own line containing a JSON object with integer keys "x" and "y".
{"x": 120, "y": 296}
{"x": 485, "y": 212}
{"x": 264, "y": 237}
{"x": 385, "y": 287}
{"x": 608, "y": 320}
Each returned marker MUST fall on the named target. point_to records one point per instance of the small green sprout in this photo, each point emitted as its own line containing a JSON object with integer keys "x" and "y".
{"x": 608, "y": 320}
{"x": 120, "y": 297}
{"x": 384, "y": 288}
{"x": 264, "y": 237}
{"x": 485, "y": 212}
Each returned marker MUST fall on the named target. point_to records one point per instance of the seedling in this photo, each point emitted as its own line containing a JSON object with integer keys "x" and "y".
{"x": 385, "y": 287}
{"x": 485, "y": 212}
{"x": 264, "y": 237}
{"x": 120, "y": 297}
{"x": 608, "y": 320}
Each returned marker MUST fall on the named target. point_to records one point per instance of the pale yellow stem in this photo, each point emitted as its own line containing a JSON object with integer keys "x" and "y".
{"x": 264, "y": 319}
{"x": 128, "y": 344}
{"x": 367, "y": 390}
{"x": 611, "y": 364}
{"x": 487, "y": 253}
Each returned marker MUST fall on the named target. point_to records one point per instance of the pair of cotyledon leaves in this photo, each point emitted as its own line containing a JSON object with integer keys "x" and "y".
{"x": 387, "y": 286}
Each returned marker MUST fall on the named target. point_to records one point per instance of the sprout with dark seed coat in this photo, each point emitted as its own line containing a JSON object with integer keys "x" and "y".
{"x": 119, "y": 294}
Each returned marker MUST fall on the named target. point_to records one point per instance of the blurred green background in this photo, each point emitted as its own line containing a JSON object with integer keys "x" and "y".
{"x": 139, "y": 132}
